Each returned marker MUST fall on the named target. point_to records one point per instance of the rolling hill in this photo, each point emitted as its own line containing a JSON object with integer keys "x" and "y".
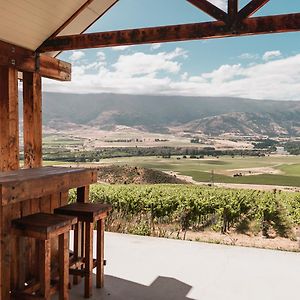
{"x": 208, "y": 115}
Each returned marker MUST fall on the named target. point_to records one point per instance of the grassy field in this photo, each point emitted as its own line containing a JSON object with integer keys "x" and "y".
{"x": 269, "y": 170}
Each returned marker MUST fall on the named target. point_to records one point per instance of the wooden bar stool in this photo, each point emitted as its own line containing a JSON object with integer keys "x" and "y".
{"x": 43, "y": 227}
{"x": 82, "y": 262}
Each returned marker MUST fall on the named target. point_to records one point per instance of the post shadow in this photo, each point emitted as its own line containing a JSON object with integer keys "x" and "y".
{"x": 162, "y": 288}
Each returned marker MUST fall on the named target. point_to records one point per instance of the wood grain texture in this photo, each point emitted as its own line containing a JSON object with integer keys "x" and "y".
{"x": 24, "y": 60}
{"x": 88, "y": 279}
{"x": 64, "y": 266}
{"x": 9, "y": 119}
{"x": 32, "y": 119}
{"x": 100, "y": 254}
{"x": 175, "y": 33}
{"x": 34, "y": 183}
{"x": 251, "y": 8}
{"x": 9, "y": 160}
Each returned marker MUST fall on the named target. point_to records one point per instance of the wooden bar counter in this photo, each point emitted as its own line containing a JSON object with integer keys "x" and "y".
{"x": 25, "y": 192}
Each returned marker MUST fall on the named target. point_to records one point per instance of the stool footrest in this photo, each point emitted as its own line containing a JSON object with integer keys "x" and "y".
{"x": 78, "y": 264}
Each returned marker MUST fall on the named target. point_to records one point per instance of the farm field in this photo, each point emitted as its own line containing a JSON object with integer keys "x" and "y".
{"x": 268, "y": 170}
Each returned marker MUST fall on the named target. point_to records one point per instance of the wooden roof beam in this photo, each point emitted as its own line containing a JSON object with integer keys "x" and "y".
{"x": 233, "y": 7}
{"x": 251, "y": 8}
{"x": 210, "y": 9}
{"x": 197, "y": 31}
{"x": 25, "y": 60}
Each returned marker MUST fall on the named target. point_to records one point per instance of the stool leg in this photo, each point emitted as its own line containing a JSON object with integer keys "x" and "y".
{"x": 76, "y": 250}
{"x": 63, "y": 266}
{"x": 45, "y": 272}
{"x": 100, "y": 254}
{"x": 21, "y": 263}
{"x": 88, "y": 260}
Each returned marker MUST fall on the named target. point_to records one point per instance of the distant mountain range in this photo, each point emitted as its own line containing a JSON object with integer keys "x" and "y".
{"x": 208, "y": 115}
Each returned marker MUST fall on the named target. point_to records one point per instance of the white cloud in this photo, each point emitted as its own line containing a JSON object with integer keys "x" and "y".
{"x": 101, "y": 56}
{"x": 141, "y": 63}
{"x": 155, "y": 46}
{"x": 249, "y": 56}
{"x": 271, "y": 55}
{"x": 161, "y": 73}
{"x": 120, "y": 48}
{"x": 77, "y": 55}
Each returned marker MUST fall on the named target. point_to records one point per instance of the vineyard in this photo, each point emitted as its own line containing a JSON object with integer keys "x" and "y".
{"x": 172, "y": 210}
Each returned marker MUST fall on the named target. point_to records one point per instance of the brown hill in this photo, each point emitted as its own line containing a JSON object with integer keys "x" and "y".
{"x": 114, "y": 174}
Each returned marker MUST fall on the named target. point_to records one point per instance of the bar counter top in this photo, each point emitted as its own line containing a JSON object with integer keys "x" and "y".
{"x": 16, "y": 186}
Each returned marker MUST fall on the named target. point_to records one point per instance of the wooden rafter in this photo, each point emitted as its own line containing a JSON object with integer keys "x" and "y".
{"x": 197, "y": 31}
{"x": 210, "y": 9}
{"x": 233, "y": 7}
{"x": 251, "y": 8}
{"x": 25, "y": 60}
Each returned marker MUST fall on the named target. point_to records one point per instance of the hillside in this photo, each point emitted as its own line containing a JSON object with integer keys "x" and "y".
{"x": 209, "y": 115}
{"x": 115, "y": 174}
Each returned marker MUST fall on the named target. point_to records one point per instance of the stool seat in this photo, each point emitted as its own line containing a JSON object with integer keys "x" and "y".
{"x": 85, "y": 212}
{"x": 42, "y": 225}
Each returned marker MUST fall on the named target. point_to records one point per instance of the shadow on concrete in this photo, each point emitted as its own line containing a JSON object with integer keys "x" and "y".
{"x": 163, "y": 288}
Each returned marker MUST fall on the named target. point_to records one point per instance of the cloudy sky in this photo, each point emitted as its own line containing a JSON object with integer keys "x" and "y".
{"x": 261, "y": 67}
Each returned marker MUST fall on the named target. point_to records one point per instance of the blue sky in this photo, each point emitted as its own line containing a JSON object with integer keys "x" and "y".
{"x": 262, "y": 67}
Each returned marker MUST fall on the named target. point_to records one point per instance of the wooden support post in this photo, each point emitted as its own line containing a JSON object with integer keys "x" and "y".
{"x": 9, "y": 119}
{"x": 32, "y": 118}
{"x": 100, "y": 254}
{"x": 63, "y": 267}
{"x": 88, "y": 260}
{"x": 45, "y": 272}
{"x": 9, "y": 160}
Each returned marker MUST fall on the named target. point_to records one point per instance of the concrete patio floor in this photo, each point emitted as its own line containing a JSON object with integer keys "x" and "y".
{"x": 143, "y": 268}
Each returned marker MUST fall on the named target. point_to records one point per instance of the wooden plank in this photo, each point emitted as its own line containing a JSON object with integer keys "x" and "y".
{"x": 44, "y": 172}
{"x": 64, "y": 266}
{"x": 19, "y": 191}
{"x": 64, "y": 198}
{"x": 55, "y": 201}
{"x": 173, "y": 33}
{"x": 32, "y": 119}
{"x": 251, "y": 8}
{"x": 27, "y": 61}
{"x": 6, "y": 252}
{"x": 15, "y": 243}
{"x": 210, "y": 9}
{"x": 45, "y": 204}
{"x": 72, "y": 18}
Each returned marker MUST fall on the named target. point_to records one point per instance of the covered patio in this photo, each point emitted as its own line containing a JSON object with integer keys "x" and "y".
{"x": 32, "y": 34}
{"x": 153, "y": 268}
